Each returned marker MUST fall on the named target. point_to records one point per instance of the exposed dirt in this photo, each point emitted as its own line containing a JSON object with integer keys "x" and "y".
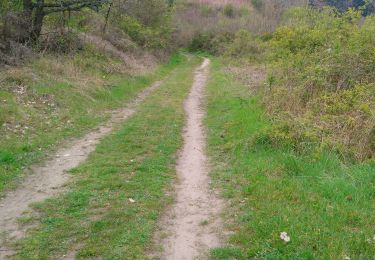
{"x": 48, "y": 179}
{"x": 191, "y": 226}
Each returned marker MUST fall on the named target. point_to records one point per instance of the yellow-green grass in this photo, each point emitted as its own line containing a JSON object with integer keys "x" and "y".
{"x": 325, "y": 205}
{"x": 95, "y": 217}
{"x": 48, "y": 101}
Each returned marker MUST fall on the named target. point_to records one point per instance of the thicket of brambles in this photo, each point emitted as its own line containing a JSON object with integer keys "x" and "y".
{"x": 320, "y": 60}
{"x": 321, "y": 80}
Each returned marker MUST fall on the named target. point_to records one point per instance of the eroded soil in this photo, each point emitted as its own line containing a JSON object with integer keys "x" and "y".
{"x": 191, "y": 226}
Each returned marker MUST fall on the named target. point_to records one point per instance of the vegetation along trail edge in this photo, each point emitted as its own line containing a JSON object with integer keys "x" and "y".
{"x": 192, "y": 223}
{"x": 48, "y": 179}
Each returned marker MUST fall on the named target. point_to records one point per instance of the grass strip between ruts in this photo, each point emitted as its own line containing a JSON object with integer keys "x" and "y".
{"x": 78, "y": 110}
{"x": 96, "y": 217}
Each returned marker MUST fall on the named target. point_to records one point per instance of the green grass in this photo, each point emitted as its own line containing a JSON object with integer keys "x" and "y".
{"x": 137, "y": 161}
{"x": 325, "y": 205}
{"x": 37, "y": 128}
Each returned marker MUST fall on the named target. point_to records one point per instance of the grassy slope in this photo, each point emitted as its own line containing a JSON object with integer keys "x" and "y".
{"x": 96, "y": 217}
{"x": 63, "y": 97}
{"x": 325, "y": 206}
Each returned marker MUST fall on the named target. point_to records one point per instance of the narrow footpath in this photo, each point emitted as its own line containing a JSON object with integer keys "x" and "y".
{"x": 192, "y": 224}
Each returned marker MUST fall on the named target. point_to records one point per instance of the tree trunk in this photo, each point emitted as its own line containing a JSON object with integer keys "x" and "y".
{"x": 107, "y": 17}
{"x": 28, "y": 9}
{"x": 37, "y": 21}
{"x": 27, "y": 19}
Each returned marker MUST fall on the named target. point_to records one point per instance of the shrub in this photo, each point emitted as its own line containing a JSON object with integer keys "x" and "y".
{"x": 13, "y": 53}
{"x": 320, "y": 80}
{"x": 209, "y": 42}
{"x": 201, "y": 42}
{"x": 324, "y": 67}
{"x": 284, "y": 135}
{"x": 229, "y": 10}
{"x": 244, "y": 46}
{"x": 146, "y": 22}
{"x": 257, "y": 3}
{"x": 61, "y": 42}
{"x": 206, "y": 10}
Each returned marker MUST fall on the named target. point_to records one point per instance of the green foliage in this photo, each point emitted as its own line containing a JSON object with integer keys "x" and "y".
{"x": 210, "y": 42}
{"x": 244, "y": 46}
{"x": 229, "y": 10}
{"x": 207, "y": 10}
{"x": 155, "y": 38}
{"x": 95, "y": 212}
{"x": 10, "y": 5}
{"x": 324, "y": 63}
{"x": 148, "y": 23}
{"x": 320, "y": 79}
{"x": 6, "y": 157}
{"x": 365, "y": 6}
{"x": 150, "y": 13}
{"x": 201, "y": 42}
{"x": 64, "y": 96}
{"x": 324, "y": 204}
{"x": 257, "y": 3}
{"x": 62, "y": 43}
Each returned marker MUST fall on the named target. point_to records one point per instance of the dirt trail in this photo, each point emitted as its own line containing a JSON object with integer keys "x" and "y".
{"x": 48, "y": 179}
{"x": 192, "y": 224}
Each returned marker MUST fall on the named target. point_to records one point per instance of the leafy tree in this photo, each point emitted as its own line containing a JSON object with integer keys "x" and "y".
{"x": 31, "y": 13}
{"x": 367, "y": 6}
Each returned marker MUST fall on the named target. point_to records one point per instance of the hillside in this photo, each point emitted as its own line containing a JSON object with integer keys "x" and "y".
{"x": 187, "y": 129}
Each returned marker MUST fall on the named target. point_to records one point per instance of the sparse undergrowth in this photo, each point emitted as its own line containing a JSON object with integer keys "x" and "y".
{"x": 54, "y": 98}
{"x": 113, "y": 203}
{"x": 325, "y": 205}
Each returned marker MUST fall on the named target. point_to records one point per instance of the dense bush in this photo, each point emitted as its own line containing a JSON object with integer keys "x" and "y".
{"x": 62, "y": 42}
{"x": 229, "y": 10}
{"x": 212, "y": 43}
{"x": 148, "y": 23}
{"x": 321, "y": 79}
{"x": 145, "y": 23}
{"x": 257, "y": 3}
{"x": 324, "y": 67}
{"x": 201, "y": 42}
{"x": 366, "y": 6}
{"x": 244, "y": 47}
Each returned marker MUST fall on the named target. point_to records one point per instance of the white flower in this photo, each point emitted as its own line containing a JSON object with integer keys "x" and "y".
{"x": 346, "y": 257}
{"x": 131, "y": 200}
{"x": 284, "y": 236}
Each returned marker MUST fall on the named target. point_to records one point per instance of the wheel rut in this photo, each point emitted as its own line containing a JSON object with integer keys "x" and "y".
{"x": 192, "y": 225}
{"x": 48, "y": 179}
